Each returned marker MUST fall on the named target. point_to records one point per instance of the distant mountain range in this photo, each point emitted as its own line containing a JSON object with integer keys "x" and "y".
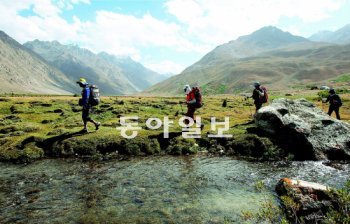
{"x": 50, "y": 67}
{"x": 277, "y": 59}
{"x": 114, "y": 75}
{"x": 341, "y": 36}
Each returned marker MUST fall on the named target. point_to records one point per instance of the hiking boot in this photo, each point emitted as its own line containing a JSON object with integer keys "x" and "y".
{"x": 97, "y": 125}
{"x": 202, "y": 126}
{"x": 85, "y": 130}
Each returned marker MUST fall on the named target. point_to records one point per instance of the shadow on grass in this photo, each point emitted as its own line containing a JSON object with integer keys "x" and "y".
{"x": 48, "y": 143}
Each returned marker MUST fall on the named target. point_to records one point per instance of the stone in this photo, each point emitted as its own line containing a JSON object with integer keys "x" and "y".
{"x": 304, "y": 200}
{"x": 304, "y": 130}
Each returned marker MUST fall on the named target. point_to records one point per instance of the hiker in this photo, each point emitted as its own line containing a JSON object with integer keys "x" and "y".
{"x": 193, "y": 101}
{"x": 85, "y": 103}
{"x": 259, "y": 95}
{"x": 334, "y": 103}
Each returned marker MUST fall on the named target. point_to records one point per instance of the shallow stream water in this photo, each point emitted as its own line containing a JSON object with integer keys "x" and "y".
{"x": 147, "y": 190}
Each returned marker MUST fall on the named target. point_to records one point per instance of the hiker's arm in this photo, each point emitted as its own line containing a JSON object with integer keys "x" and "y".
{"x": 192, "y": 101}
{"x": 261, "y": 93}
{"x": 328, "y": 99}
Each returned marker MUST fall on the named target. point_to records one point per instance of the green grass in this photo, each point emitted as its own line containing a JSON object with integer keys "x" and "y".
{"x": 33, "y": 127}
{"x": 342, "y": 78}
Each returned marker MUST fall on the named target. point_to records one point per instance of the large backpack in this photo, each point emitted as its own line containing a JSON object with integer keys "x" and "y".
{"x": 265, "y": 97}
{"x": 94, "y": 98}
{"x": 198, "y": 96}
{"x": 337, "y": 102}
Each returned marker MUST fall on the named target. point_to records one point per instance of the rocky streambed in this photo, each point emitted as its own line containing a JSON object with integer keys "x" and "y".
{"x": 167, "y": 189}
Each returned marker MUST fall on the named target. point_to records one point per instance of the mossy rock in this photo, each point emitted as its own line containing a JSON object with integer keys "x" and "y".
{"x": 86, "y": 145}
{"x": 4, "y": 100}
{"x": 13, "y": 118}
{"x": 8, "y": 129}
{"x": 251, "y": 145}
{"x": 32, "y": 152}
{"x": 182, "y": 146}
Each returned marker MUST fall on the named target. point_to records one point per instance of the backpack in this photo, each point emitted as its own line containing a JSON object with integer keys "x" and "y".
{"x": 265, "y": 97}
{"x": 198, "y": 96}
{"x": 94, "y": 98}
{"x": 337, "y": 102}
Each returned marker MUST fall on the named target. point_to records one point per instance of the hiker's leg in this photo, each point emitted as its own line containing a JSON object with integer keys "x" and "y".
{"x": 336, "y": 110}
{"x": 330, "y": 110}
{"x": 85, "y": 115}
{"x": 89, "y": 119}
{"x": 190, "y": 113}
{"x": 257, "y": 106}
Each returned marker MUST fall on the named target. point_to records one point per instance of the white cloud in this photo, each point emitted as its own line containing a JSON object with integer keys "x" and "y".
{"x": 165, "y": 67}
{"x": 117, "y": 33}
{"x": 216, "y": 22}
{"x": 45, "y": 24}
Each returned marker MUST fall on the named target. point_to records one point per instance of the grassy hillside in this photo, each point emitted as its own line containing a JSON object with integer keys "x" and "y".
{"x": 279, "y": 69}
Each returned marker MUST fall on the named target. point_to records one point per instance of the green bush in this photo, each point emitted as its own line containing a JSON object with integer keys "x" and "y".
{"x": 340, "y": 213}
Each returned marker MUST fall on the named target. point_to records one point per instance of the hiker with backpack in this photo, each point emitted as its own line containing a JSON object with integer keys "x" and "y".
{"x": 193, "y": 100}
{"x": 334, "y": 103}
{"x": 90, "y": 97}
{"x": 259, "y": 96}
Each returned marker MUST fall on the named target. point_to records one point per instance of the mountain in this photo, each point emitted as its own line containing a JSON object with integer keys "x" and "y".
{"x": 264, "y": 39}
{"x": 278, "y": 59}
{"x": 23, "y": 71}
{"x": 341, "y": 36}
{"x": 139, "y": 75}
{"x": 114, "y": 75}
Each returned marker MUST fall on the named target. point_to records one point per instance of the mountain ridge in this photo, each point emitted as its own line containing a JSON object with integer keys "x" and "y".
{"x": 24, "y": 71}
{"x": 340, "y": 36}
{"x": 292, "y": 61}
{"x": 107, "y": 71}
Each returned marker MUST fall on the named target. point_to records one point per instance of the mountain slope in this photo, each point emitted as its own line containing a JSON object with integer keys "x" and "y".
{"x": 112, "y": 74}
{"x": 341, "y": 36}
{"x": 293, "y": 61}
{"x": 23, "y": 71}
{"x": 139, "y": 75}
{"x": 77, "y": 62}
{"x": 264, "y": 39}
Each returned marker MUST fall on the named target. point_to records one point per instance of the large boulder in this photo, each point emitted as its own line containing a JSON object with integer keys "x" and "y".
{"x": 304, "y": 200}
{"x": 304, "y": 130}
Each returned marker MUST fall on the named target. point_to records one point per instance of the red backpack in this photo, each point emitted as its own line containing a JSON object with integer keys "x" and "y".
{"x": 265, "y": 97}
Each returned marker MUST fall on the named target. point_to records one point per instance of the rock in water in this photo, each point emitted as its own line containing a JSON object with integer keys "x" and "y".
{"x": 305, "y": 130}
{"x": 304, "y": 200}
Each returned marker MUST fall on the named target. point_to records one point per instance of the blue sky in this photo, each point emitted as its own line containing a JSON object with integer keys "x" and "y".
{"x": 164, "y": 35}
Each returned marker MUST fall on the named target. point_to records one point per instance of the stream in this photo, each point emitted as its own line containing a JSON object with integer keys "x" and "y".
{"x": 163, "y": 189}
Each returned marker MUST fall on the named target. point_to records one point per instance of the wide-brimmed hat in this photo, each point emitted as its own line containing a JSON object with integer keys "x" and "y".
{"x": 82, "y": 81}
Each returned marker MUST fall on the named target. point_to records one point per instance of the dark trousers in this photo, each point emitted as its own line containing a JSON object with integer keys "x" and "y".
{"x": 335, "y": 109}
{"x": 86, "y": 115}
{"x": 190, "y": 112}
{"x": 258, "y": 105}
